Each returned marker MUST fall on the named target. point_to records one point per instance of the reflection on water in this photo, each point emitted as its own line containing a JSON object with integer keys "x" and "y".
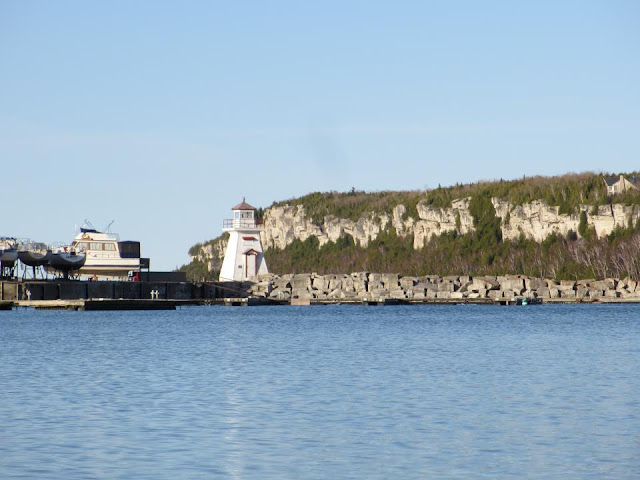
{"x": 321, "y": 392}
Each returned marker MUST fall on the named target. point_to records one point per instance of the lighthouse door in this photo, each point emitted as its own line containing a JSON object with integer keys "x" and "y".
{"x": 250, "y": 263}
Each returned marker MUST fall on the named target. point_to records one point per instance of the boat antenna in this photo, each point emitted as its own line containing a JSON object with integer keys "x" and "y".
{"x": 107, "y": 229}
{"x": 87, "y": 223}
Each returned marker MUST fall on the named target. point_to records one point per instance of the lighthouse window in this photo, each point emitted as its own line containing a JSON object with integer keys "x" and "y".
{"x": 236, "y": 215}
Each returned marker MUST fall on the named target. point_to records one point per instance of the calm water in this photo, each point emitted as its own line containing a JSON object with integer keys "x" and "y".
{"x": 322, "y": 392}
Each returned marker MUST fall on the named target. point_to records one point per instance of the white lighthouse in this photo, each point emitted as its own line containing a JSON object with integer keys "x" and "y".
{"x": 243, "y": 259}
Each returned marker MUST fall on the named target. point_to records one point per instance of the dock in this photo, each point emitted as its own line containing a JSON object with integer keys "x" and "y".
{"x": 97, "y": 304}
{"x": 6, "y": 305}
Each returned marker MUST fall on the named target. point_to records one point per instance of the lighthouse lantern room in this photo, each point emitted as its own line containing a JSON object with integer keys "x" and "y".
{"x": 243, "y": 258}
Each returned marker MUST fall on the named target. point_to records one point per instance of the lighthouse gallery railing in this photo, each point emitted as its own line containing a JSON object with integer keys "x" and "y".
{"x": 241, "y": 223}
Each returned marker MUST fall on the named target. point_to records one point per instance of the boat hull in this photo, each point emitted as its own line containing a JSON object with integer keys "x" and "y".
{"x": 66, "y": 262}
{"x": 8, "y": 257}
{"x": 33, "y": 258}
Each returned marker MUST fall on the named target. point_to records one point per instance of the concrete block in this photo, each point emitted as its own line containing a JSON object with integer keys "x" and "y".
{"x": 379, "y": 293}
{"x": 452, "y": 279}
{"x": 301, "y": 281}
{"x": 398, "y": 293}
{"x": 534, "y": 283}
{"x": 408, "y": 282}
{"x": 281, "y": 294}
{"x": 320, "y": 283}
{"x": 390, "y": 280}
{"x": 491, "y": 283}
{"x": 360, "y": 286}
{"x": 375, "y": 277}
{"x": 427, "y": 286}
{"x": 582, "y": 292}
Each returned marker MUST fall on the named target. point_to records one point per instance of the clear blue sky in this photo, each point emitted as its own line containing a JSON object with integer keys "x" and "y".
{"x": 163, "y": 115}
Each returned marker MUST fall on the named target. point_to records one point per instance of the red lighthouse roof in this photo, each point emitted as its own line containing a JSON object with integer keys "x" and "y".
{"x": 243, "y": 206}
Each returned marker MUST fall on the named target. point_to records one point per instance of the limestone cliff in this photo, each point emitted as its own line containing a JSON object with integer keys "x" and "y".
{"x": 537, "y": 221}
{"x": 534, "y": 220}
{"x": 283, "y": 225}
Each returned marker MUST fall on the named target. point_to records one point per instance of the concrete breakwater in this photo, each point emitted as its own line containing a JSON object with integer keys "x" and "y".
{"x": 311, "y": 288}
{"x": 365, "y": 286}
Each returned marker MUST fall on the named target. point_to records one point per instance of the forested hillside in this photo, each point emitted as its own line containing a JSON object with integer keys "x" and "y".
{"x": 563, "y": 227}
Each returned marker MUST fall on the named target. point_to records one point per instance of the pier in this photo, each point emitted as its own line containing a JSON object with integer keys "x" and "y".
{"x": 116, "y": 295}
{"x": 141, "y": 295}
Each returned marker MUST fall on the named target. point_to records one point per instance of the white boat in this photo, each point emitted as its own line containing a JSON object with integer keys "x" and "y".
{"x": 106, "y": 254}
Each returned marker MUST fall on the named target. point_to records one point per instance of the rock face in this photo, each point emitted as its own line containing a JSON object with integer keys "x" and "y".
{"x": 211, "y": 253}
{"x": 365, "y": 286}
{"x": 282, "y": 225}
{"x": 538, "y": 220}
{"x": 534, "y": 220}
{"x": 434, "y": 221}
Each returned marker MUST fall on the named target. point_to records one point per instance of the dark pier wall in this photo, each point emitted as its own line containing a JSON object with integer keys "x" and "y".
{"x": 75, "y": 290}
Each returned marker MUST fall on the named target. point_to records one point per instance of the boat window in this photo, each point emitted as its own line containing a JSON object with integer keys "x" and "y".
{"x": 96, "y": 246}
{"x": 83, "y": 245}
{"x": 109, "y": 246}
